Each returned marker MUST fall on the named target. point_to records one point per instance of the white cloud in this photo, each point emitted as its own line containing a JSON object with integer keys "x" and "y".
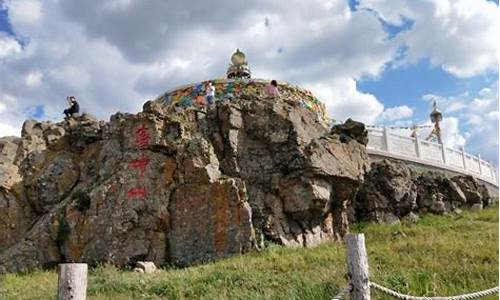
{"x": 8, "y": 130}
{"x": 6, "y": 101}
{"x": 24, "y": 12}
{"x": 8, "y": 46}
{"x": 396, "y": 113}
{"x": 33, "y": 79}
{"x": 458, "y": 35}
{"x": 344, "y": 101}
{"x": 484, "y": 91}
{"x": 451, "y": 135}
{"x": 482, "y": 120}
{"x": 477, "y": 117}
{"x": 114, "y": 55}
{"x": 454, "y": 106}
{"x": 117, "y": 4}
{"x": 450, "y": 104}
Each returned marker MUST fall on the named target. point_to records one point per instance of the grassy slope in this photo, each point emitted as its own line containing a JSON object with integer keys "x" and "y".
{"x": 439, "y": 256}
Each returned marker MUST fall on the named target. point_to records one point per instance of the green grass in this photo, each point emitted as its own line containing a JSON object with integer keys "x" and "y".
{"x": 439, "y": 256}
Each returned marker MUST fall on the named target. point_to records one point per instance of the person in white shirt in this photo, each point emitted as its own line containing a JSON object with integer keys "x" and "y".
{"x": 210, "y": 93}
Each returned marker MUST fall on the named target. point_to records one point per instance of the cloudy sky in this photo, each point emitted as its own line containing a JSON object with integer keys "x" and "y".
{"x": 378, "y": 61}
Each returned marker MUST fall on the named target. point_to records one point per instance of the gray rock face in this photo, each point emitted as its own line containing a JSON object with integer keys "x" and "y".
{"x": 51, "y": 181}
{"x": 474, "y": 192}
{"x": 9, "y": 171}
{"x": 392, "y": 190}
{"x": 209, "y": 221}
{"x": 15, "y": 216}
{"x": 351, "y": 130}
{"x": 388, "y": 188}
{"x": 178, "y": 187}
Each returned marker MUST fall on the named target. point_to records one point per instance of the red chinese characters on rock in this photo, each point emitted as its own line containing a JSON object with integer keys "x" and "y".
{"x": 142, "y": 137}
{"x": 140, "y": 163}
{"x": 136, "y": 193}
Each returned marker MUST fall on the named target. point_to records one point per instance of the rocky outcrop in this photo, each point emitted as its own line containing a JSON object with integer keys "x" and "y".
{"x": 351, "y": 130}
{"x": 392, "y": 192}
{"x": 184, "y": 186}
{"x": 176, "y": 186}
{"x": 387, "y": 194}
{"x": 473, "y": 192}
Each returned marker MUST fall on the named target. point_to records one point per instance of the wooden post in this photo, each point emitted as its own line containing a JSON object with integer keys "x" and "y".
{"x": 72, "y": 282}
{"x": 357, "y": 265}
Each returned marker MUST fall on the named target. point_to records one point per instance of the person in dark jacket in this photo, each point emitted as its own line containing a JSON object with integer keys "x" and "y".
{"x": 73, "y": 106}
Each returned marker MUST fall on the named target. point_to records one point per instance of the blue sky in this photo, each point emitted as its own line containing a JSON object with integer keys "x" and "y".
{"x": 381, "y": 62}
{"x": 394, "y": 89}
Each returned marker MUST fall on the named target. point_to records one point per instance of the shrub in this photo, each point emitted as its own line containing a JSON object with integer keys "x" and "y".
{"x": 82, "y": 200}
{"x": 63, "y": 231}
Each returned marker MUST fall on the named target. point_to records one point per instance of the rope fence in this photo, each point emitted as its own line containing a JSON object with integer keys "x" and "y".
{"x": 397, "y": 295}
{"x": 72, "y": 279}
{"x": 359, "y": 286}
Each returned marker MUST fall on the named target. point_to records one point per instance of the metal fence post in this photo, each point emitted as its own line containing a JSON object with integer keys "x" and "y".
{"x": 357, "y": 265}
{"x": 72, "y": 281}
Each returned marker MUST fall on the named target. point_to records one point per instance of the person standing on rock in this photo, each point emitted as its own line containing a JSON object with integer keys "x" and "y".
{"x": 272, "y": 89}
{"x": 73, "y": 106}
{"x": 210, "y": 93}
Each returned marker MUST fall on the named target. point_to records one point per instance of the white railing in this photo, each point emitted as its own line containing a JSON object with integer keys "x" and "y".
{"x": 385, "y": 143}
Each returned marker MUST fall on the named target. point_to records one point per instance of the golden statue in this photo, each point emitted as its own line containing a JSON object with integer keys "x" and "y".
{"x": 239, "y": 66}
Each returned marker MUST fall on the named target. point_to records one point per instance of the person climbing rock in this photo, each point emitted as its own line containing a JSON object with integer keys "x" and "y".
{"x": 272, "y": 89}
{"x": 73, "y": 106}
{"x": 210, "y": 93}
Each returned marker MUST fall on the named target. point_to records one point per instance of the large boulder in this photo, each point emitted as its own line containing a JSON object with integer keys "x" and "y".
{"x": 83, "y": 130}
{"x": 351, "y": 129}
{"x": 388, "y": 192}
{"x": 435, "y": 187}
{"x": 474, "y": 192}
{"x": 289, "y": 163}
